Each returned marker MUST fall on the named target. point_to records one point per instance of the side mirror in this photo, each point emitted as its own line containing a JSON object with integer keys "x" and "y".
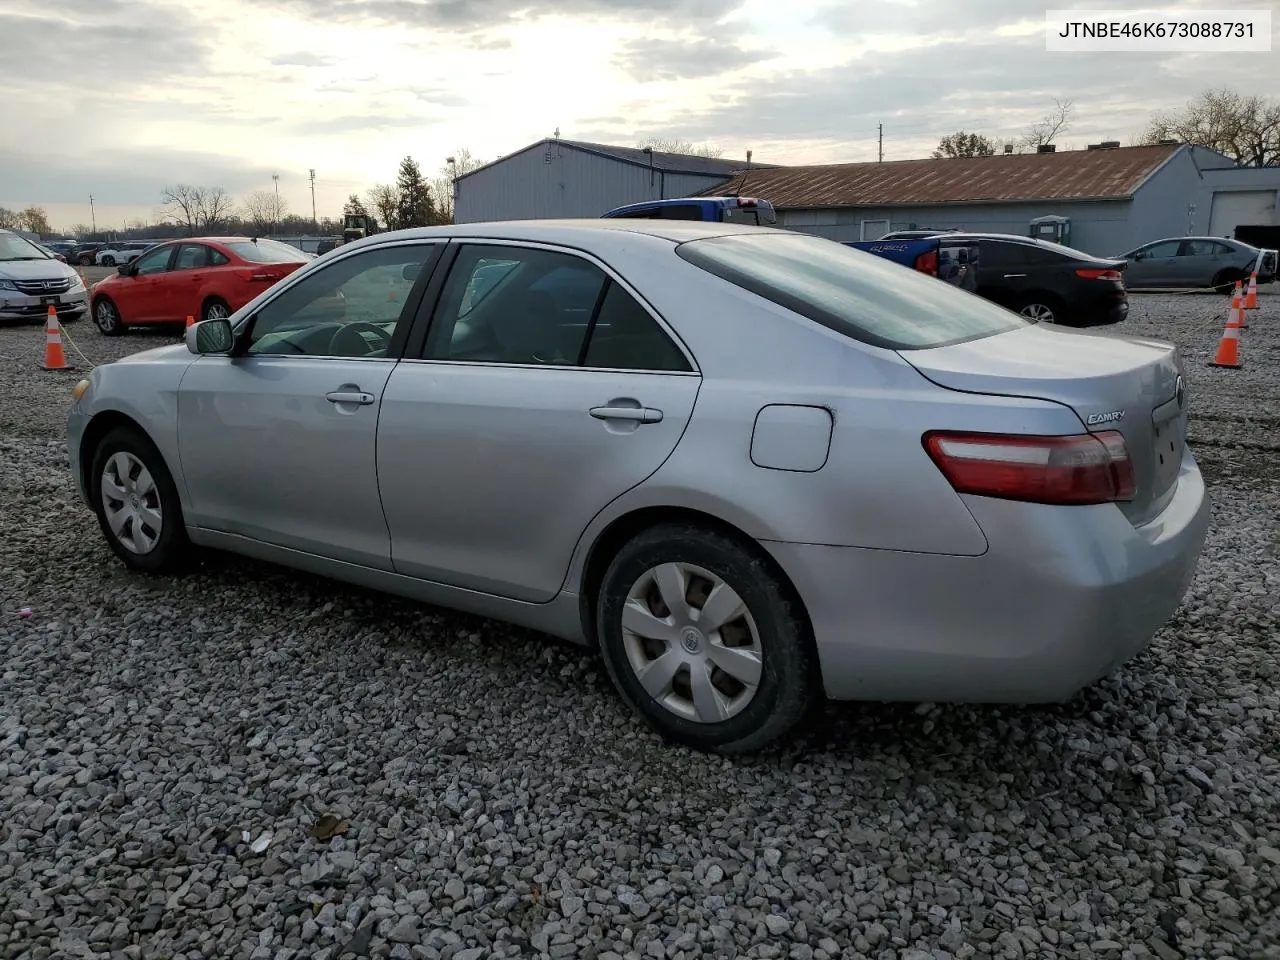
{"x": 124, "y": 269}
{"x": 210, "y": 337}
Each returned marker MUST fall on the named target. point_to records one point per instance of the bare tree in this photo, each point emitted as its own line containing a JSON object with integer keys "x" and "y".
{"x": 354, "y": 207}
{"x": 1057, "y": 121}
{"x": 1245, "y": 128}
{"x": 264, "y": 209}
{"x": 442, "y": 186}
{"x": 181, "y": 205}
{"x": 35, "y": 220}
{"x": 10, "y": 219}
{"x": 961, "y": 144}
{"x": 215, "y": 208}
{"x": 384, "y": 200}
{"x": 678, "y": 145}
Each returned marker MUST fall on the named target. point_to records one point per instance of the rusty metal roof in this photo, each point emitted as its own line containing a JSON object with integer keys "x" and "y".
{"x": 1069, "y": 175}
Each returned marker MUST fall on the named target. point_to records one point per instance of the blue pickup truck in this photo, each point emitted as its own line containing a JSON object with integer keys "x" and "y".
{"x": 707, "y": 209}
{"x": 954, "y": 261}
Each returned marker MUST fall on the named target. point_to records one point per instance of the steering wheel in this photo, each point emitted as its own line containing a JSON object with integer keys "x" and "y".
{"x": 352, "y": 328}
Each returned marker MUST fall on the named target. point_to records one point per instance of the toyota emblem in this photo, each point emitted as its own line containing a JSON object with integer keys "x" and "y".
{"x": 1179, "y": 390}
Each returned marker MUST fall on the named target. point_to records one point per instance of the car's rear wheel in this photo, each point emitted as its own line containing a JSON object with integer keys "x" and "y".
{"x": 703, "y": 641}
{"x": 1225, "y": 281}
{"x": 107, "y": 317}
{"x": 1041, "y": 309}
{"x": 137, "y": 503}
{"x": 215, "y": 308}
{"x": 86, "y": 260}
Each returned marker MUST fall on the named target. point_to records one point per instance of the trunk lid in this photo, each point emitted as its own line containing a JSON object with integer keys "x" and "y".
{"x": 1129, "y": 384}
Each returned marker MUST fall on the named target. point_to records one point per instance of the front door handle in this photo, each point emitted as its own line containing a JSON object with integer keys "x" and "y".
{"x": 1011, "y": 276}
{"x": 349, "y": 396}
{"x": 637, "y": 414}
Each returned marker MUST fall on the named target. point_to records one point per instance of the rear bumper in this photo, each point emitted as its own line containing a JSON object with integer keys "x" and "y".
{"x": 1063, "y": 596}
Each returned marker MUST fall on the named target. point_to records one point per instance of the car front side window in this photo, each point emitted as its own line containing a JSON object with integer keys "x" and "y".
{"x": 157, "y": 261}
{"x": 352, "y": 307}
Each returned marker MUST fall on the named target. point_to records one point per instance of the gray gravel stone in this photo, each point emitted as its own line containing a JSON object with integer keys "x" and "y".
{"x": 501, "y": 802}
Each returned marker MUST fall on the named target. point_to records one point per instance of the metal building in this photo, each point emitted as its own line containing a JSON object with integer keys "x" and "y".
{"x": 1114, "y": 197}
{"x": 556, "y": 178}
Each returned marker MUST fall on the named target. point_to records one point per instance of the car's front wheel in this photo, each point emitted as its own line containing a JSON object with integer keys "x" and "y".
{"x": 108, "y": 261}
{"x": 703, "y": 641}
{"x": 137, "y": 503}
{"x": 107, "y": 317}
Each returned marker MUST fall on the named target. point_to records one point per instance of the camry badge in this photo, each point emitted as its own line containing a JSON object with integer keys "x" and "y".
{"x": 1111, "y": 417}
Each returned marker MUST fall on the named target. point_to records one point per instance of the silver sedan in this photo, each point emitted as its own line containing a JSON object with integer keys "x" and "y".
{"x": 751, "y": 467}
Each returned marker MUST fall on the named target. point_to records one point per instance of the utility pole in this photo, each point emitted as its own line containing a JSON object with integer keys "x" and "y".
{"x": 93, "y": 219}
{"x": 275, "y": 211}
{"x": 881, "y": 160}
{"x": 315, "y": 224}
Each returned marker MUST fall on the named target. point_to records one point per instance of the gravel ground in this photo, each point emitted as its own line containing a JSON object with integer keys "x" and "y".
{"x": 434, "y": 785}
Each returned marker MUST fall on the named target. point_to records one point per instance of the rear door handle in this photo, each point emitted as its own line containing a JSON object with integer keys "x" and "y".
{"x": 1011, "y": 276}
{"x": 638, "y": 414}
{"x": 349, "y": 396}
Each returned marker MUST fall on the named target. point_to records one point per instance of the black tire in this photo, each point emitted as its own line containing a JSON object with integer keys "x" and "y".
{"x": 85, "y": 260}
{"x": 1043, "y": 302}
{"x": 1225, "y": 281}
{"x": 210, "y": 304}
{"x": 108, "y": 261}
{"x": 172, "y": 548}
{"x": 107, "y": 318}
{"x": 789, "y": 682}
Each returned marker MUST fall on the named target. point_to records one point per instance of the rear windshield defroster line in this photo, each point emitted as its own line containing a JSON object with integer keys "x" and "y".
{"x": 860, "y": 295}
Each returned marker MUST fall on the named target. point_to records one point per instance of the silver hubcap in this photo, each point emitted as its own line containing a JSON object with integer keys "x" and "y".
{"x": 131, "y": 503}
{"x": 216, "y": 311}
{"x": 692, "y": 642}
{"x": 1038, "y": 312}
{"x": 106, "y": 315}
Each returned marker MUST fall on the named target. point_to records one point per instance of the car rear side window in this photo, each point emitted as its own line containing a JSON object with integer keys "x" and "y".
{"x": 860, "y": 295}
{"x": 266, "y": 251}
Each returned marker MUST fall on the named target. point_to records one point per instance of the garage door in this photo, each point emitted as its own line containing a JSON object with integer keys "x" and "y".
{"x": 1236, "y": 207}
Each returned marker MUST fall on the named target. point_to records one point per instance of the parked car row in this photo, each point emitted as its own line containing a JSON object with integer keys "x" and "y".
{"x": 1196, "y": 262}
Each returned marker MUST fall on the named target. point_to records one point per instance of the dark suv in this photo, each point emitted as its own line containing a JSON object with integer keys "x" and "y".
{"x": 1045, "y": 281}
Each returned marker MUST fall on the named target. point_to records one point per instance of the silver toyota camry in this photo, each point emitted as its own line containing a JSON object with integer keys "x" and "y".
{"x": 753, "y": 467}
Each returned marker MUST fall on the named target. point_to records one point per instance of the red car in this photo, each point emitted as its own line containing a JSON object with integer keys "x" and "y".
{"x": 204, "y": 278}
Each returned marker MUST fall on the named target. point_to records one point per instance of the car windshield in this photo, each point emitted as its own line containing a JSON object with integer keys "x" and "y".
{"x": 266, "y": 251}
{"x": 14, "y": 247}
{"x": 863, "y": 296}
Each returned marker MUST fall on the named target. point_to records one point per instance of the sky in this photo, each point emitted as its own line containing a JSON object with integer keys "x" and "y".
{"x": 119, "y": 98}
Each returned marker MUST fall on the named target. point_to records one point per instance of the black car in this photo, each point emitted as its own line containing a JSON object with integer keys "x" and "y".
{"x": 82, "y": 253}
{"x": 1044, "y": 281}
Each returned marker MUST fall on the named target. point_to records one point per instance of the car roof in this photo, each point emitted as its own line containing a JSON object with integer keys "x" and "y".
{"x": 570, "y": 231}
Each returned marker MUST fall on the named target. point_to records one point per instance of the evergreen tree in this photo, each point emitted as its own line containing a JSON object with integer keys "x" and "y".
{"x": 414, "y": 207}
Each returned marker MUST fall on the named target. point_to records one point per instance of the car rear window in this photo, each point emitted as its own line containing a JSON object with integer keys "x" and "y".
{"x": 266, "y": 251}
{"x": 858, "y": 294}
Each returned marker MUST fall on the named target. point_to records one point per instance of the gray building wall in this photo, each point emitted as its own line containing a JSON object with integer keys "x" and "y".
{"x": 1094, "y": 225}
{"x": 1168, "y": 203}
{"x": 573, "y": 183}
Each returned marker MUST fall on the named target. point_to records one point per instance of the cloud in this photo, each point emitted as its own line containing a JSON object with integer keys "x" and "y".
{"x": 653, "y": 59}
{"x": 467, "y": 16}
{"x": 301, "y": 58}
{"x": 123, "y": 177}
{"x": 159, "y": 44}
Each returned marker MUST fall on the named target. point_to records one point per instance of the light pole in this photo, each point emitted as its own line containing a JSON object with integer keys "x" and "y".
{"x": 275, "y": 211}
{"x": 315, "y": 224}
{"x": 453, "y": 187}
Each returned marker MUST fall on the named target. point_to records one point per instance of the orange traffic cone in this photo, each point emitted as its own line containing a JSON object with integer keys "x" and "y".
{"x": 1237, "y": 318}
{"x": 54, "y": 357}
{"x": 1251, "y": 298}
{"x": 1228, "y": 354}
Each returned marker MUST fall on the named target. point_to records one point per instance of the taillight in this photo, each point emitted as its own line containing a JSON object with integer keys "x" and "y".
{"x": 1100, "y": 274}
{"x": 928, "y": 263}
{"x": 1087, "y": 468}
